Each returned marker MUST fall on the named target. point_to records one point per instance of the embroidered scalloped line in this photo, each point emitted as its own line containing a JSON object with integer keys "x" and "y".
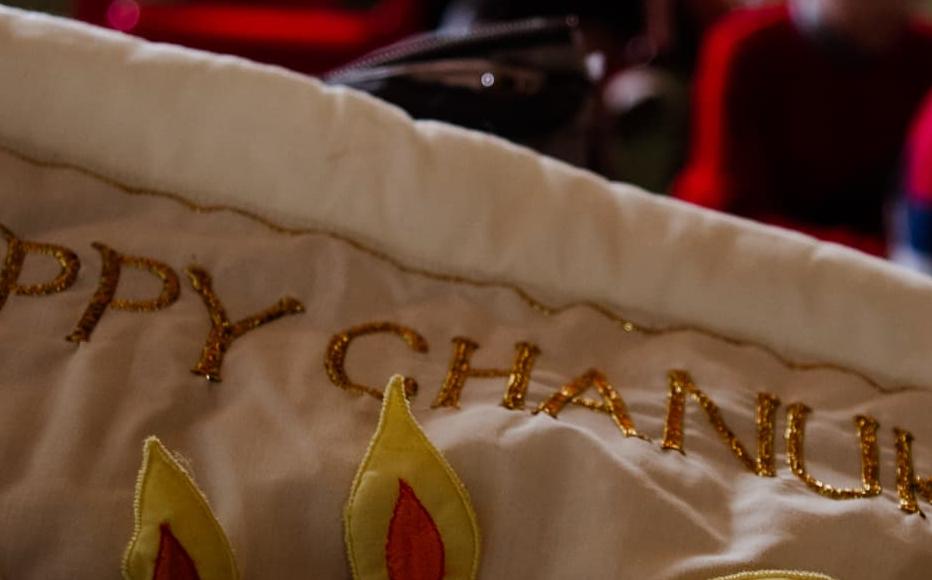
{"x": 774, "y": 574}
{"x": 625, "y": 324}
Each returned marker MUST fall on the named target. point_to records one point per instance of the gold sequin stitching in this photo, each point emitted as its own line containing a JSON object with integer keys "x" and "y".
{"x": 112, "y": 263}
{"x": 870, "y": 455}
{"x": 766, "y": 418}
{"x": 335, "y": 355}
{"x": 222, "y": 331}
{"x": 907, "y": 483}
{"x": 676, "y": 410}
{"x": 682, "y": 386}
{"x": 612, "y": 403}
{"x": 460, "y": 369}
{"x": 16, "y": 252}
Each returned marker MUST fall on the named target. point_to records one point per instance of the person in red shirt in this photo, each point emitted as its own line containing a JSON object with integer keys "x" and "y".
{"x": 800, "y": 113}
{"x": 914, "y": 243}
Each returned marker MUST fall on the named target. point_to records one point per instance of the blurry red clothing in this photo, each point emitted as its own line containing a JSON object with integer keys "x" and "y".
{"x": 918, "y": 180}
{"x": 915, "y": 239}
{"x": 797, "y": 128}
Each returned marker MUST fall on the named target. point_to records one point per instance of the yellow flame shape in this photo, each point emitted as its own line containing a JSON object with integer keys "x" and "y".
{"x": 165, "y": 493}
{"x": 400, "y": 450}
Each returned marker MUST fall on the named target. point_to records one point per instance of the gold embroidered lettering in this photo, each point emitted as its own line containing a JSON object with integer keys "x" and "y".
{"x": 870, "y": 456}
{"x": 222, "y": 331}
{"x": 112, "y": 263}
{"x": 907, "y": 484}
{"x": 461, "y": 369}
{"x": 682, "y": 386}
{"x": 335, "y": 357}
{"x": 16, "y": 251}
{"x": 612, "y": 403}
{"x": 765, "y": 417}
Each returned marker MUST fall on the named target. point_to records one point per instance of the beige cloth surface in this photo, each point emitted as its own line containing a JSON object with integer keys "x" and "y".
{"x": 96, "y": 127}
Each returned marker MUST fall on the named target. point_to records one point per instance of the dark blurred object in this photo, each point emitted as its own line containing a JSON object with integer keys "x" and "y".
{"x": 646, "y": 110}
{"x": 674, "y": 29}
{"x": 57, "y": 7}
{"x": 307, "y": 36}
{"x": 645, "y": 97}
{"x": 606, "y": 27}
{"x": 799, "y": 125}
{"x": 525, "y": 81}
{"x": 623, "y": 17}
{"x": 644, "y": 52}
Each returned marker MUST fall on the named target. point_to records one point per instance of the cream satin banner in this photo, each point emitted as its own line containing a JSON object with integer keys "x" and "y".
{"x": 235, "y": 260}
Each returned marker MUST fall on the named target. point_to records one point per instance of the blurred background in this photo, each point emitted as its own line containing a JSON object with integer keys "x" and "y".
{"x": 813, "y": 115}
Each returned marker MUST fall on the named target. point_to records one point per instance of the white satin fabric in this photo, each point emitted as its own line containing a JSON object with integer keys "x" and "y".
{"x": 96, "y": 127}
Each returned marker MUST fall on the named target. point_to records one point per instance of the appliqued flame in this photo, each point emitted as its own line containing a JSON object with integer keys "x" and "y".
{"x": 408, "y": 516}
{"x": 414, "y": 550}
{"x": 176, "y": 536}
{"x": 173, "y": 562}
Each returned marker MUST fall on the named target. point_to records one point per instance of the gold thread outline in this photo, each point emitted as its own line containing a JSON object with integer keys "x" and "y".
{"x": 619, "y": 320}
{"x": 775, "y": 575}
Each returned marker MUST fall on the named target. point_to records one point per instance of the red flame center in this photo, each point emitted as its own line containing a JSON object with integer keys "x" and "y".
{"x": 173, "y": 562}
{"x": 414, "y": 548}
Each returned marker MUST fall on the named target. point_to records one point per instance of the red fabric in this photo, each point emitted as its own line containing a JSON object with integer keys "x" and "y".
{"x": 704, "y": 181}
{"x": 313, "y": 28}
{"x": 414, "y": 548}
{"x": 919, "y": 162}
{"x": 172, "y": 561}
{"x": 917, "y": 227}
{"x": 792, "y": 130}
{"x": 311, "y": 37}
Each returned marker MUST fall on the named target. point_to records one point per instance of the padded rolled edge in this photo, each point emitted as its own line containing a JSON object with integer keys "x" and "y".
{"x": 221, "y": 130}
